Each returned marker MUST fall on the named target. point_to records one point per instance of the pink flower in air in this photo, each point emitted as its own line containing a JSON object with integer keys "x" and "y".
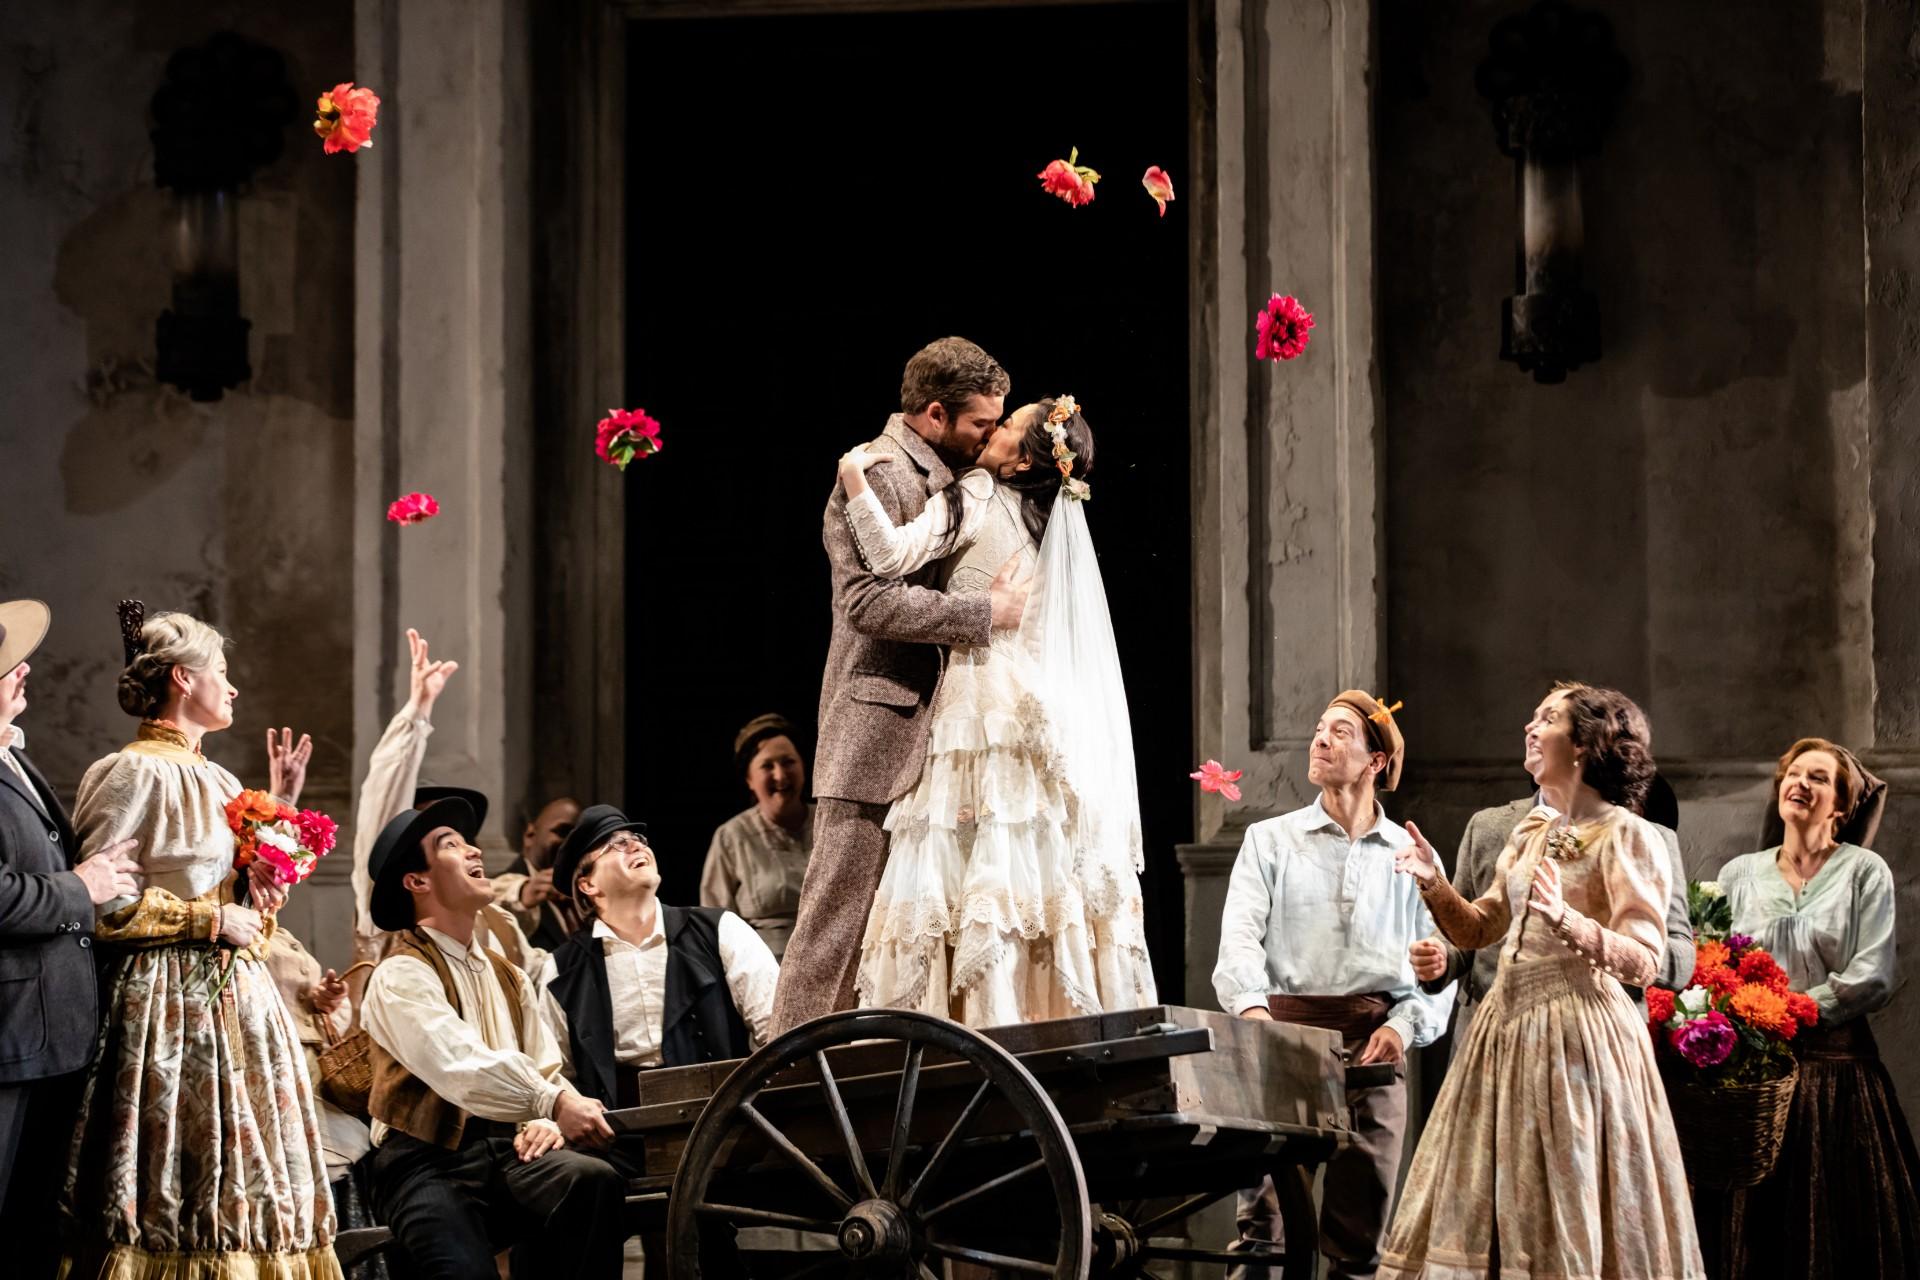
{"x": 1282, "y": 327}
{"x": 345, "y": 116}
{"x": 1069, "y": 179}
{"x": 1159, "y": 185}
{"x": 1213, "y": 777}
{"x": 624, "y": 435}
{"x": 413, "y": 508}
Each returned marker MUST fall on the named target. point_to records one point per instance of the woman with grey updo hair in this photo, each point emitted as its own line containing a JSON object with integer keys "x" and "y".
{"x": 197, "y": 1152}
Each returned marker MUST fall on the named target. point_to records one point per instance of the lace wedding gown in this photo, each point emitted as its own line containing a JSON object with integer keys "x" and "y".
{"x": 1001, "y": 901}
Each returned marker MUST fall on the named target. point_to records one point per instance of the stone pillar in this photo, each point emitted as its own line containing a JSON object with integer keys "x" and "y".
{"x": 1287, "y": 579}
{"x": 442, "y": 390}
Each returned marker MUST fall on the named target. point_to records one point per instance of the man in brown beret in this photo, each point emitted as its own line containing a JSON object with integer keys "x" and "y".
{"x": 1316, "y": 931}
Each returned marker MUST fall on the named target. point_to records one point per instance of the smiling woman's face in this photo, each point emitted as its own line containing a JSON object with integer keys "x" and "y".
{"x": 1810, "y": 789}
{"x": 777, "y": 775}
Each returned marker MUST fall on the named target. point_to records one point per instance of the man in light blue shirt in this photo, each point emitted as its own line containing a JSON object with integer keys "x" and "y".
{"x": 1317, "y": 930}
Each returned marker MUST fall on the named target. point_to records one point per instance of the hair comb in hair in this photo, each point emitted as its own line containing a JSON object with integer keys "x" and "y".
{"x": 133, "y": 616}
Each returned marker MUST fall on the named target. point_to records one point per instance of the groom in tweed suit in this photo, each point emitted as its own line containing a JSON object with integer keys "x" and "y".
{"x": 884, "y": 663}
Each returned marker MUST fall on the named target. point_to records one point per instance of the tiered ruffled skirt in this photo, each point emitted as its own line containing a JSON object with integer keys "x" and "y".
{"x": 1001, "y": 902}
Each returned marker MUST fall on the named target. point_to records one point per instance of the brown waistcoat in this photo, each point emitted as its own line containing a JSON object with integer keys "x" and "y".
{"x": 400, "y": 1099}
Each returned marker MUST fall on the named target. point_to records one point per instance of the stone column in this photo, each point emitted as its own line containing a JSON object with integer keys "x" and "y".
{"x": 1287, "y": 579}
{"x": 442, "y": 390}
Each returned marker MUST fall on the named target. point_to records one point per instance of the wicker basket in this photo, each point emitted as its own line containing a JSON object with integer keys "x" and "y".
{"x": 346, "y": 1072}
{"x": 1730, "y": 1136}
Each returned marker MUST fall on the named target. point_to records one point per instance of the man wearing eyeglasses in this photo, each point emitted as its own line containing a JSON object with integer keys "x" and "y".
{"x": 647, "y": 984}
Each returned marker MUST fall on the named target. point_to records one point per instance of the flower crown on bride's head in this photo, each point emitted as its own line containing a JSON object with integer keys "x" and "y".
{"x": 1063, "y": 409}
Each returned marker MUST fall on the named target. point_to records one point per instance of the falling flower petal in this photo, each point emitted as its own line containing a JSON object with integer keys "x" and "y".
{"x": 624, "y": 435}
{"x": 1159, "y": 185}
{"x": 1069, "y": 179}
{"x": 1212, "y": 776}
{"x": 413, "y": 508}
{"x": 1282, "y": 327}
{"x": 345, "y": 116}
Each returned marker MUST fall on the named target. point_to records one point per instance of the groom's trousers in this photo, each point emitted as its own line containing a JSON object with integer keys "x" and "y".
{"x": 843, "y": 874}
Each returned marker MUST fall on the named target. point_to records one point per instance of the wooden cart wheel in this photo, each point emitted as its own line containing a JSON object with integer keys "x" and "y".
{"x": 905, "y": 1217}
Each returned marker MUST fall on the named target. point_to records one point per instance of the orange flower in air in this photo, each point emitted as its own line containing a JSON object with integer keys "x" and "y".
{"x": 1214, "y": 777}
{"x": 1708, "y": 954}
{"x": 344, "y": 117}
{"x": 1159, "y": 185}
{"x": 1764, "y": 1010}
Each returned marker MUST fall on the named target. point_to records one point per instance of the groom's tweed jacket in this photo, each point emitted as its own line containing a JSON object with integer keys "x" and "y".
{"x": 889, "y": 637}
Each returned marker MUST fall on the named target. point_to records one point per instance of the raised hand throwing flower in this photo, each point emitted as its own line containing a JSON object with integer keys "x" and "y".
{"x": 624, "y": 435}
{"x": 345, "y": 116}
{"x": 413, "y": 508}
{"x": 1069, "y": 179}
{"x": 1213, "y": 776}
{"x": 1159, "y": 185}
{"x": 1282, "y": 329}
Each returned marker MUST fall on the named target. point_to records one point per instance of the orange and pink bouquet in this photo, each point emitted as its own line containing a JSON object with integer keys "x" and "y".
{"x": 1733, "y": 1025}
{"x": 289, "y": 841}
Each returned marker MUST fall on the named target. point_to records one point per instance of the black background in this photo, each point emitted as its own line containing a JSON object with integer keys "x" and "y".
{"x": 811, "y": 199}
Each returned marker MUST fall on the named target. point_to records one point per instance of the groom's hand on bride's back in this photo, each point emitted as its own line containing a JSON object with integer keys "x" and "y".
{"x": 1009, "y": 595}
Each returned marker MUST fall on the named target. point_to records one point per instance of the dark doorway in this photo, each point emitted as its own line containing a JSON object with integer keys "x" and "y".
{"x": 811, "y": 199}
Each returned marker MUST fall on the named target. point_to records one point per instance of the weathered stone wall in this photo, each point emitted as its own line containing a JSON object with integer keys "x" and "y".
{"x": 239, "y": 512}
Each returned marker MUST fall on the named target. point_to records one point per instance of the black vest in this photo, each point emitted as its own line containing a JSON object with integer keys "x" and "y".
{"x": 698, "y": 1024}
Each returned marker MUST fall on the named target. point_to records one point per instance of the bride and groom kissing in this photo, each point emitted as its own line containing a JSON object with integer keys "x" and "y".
{"x": 977, "y": 839}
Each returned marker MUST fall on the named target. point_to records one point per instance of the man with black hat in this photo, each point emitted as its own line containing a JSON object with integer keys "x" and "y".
{"x": 476, "y": 1131}
{"x": 49, "y": 1013}
{"x": 647, "y": 985}
{"x": 392, "y": 786}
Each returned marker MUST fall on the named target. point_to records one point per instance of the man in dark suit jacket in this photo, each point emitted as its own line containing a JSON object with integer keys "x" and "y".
{"x": 886, "y": 657}
{"x": 49, "y": 1007}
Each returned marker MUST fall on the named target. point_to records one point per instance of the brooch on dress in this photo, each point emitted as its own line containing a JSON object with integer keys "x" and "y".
{"x": 1564, "y": 846}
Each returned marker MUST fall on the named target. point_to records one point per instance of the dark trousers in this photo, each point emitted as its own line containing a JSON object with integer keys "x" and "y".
{"x": 451, "y": 1211}
{"x": 823, "y": 955}
{"x": 36, "y": 1127}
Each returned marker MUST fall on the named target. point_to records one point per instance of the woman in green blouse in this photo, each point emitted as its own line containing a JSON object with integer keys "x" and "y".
{"x": 1845, "y": 1197}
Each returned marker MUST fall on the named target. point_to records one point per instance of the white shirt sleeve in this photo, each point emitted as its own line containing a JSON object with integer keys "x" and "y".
{"x": 752, "y": 974}
{"x": 1240, "y": 975}
{"x": 406, "y": 1013}
{"x": 392, "y": 772}
{"x": 891, "y": 552}
{"x": 1865, "y": 983}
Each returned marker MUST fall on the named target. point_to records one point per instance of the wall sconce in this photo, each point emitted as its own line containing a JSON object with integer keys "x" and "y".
{"x": 217, "y": 117}
{"x": 1551, "y": 77}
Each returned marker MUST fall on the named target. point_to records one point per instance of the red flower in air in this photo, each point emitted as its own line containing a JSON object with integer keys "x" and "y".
{"x": 1282, "y": 327}
{"x": 624, "y": 435}
{"x": 345, "y": 117}
{"x": 413, "y": 508}
{"x": 1069, "y": 179}
{"x": 1212, "y": 776}
{"x": 1159, "y": 186}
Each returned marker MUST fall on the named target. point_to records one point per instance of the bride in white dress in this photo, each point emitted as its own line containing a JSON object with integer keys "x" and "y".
{"x": 1012, "y": 889}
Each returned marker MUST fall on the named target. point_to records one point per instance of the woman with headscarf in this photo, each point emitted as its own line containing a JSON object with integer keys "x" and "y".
{"x": 758, "y": 857}
{"x": 1844, "y": 1199}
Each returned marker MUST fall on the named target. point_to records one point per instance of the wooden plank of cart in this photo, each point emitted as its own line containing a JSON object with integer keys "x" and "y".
{"x": 879, "y": 1142}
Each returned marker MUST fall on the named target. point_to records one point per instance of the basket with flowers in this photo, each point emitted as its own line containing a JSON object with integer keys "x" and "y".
{"x": 1724, "y": 1050}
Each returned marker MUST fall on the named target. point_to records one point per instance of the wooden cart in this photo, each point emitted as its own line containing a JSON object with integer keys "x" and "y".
{"x": 885, "y": 1143}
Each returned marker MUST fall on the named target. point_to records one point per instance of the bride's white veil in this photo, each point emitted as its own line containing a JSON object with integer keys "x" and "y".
{"x": 1067, "y": 629}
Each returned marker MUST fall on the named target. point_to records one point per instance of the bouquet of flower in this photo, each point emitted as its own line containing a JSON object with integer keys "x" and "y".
{"x": 1723, "y": 1049}
{"x": 289, "y": 842}
{"x": 1733, "y": 1024}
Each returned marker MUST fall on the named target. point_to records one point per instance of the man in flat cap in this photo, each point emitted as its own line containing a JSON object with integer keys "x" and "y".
{"x": 1316, "y": 931}
{"x": 477, "y": 1135}
{"x": 646, "y": 984}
